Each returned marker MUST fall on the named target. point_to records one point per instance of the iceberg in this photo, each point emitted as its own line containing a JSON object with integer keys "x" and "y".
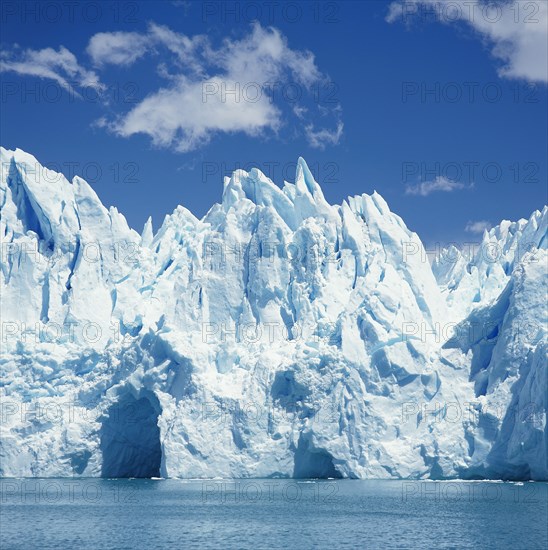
{"x": 278, "y": 336}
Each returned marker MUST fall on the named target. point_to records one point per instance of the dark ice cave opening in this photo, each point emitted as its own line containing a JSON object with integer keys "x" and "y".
{"x": 130, "y": 438}
{"x": 313, "y": 463}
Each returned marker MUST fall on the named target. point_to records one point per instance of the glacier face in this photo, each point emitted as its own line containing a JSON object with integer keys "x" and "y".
{"x": 279, "y": 336}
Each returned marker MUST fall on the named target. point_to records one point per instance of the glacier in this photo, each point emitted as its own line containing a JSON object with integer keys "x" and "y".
{"x": 278, "y": 336}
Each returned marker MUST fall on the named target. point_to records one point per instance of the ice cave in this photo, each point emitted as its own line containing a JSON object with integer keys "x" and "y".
{"x": 130, "y": 438}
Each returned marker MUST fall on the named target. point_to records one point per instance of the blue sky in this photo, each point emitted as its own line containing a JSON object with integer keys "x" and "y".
{"x": 442, "y": 112}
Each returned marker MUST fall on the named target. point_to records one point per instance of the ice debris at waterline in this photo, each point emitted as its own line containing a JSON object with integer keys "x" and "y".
{"x": 278, "y": 336}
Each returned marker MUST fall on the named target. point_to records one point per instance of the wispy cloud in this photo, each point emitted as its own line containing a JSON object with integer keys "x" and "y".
{"x": 478, "y": 227}
{"x": 211, "y": 90}
{"x": 256, "y": 85}
{"x": 118, "y": 48}
{"x": 184, "y": 4}
{"x": 59, "y": 65}
{"x": 516, "y": 31}
{"x": 320, "y": 138}
{"x": 440, "y": 183}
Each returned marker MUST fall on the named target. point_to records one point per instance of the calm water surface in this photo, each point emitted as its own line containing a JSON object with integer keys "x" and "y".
{"x": 271, "y": 513}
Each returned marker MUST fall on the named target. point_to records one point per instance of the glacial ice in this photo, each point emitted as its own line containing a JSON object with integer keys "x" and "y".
{"x": 278, "y": 336}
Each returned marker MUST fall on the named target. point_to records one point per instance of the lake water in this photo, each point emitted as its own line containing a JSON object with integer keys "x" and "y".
{"x": 271, "y": 513}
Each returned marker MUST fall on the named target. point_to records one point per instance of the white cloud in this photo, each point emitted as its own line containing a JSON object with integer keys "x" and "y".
{"x": 265, "y": 55}
{"x": 320, "y": 138}
{"x": 440, "y": 183}
{"x": 243, "y": 85}
{"x": 516, "y": 31}
{"x": 118, "y": 48}
{"x": 233, "y": 88}
{"x": 58, "y": 65}
{"x": 191, "y": 53}
{"x": 177, "y": 116}
{"x": 185, "y": 4}
{"x": 478, "y": 227}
